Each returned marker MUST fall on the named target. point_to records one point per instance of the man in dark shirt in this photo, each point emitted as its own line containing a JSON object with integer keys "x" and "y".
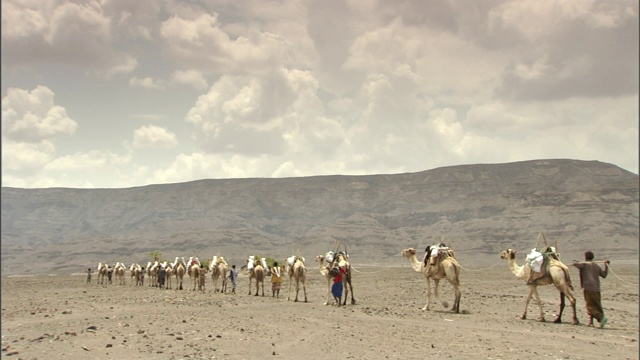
{"x": 590, "y": 274}
{"x": 162, "y": 274}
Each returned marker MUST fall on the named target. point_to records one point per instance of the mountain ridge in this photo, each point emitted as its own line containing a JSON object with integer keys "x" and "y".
{"x": 481, "y": 208}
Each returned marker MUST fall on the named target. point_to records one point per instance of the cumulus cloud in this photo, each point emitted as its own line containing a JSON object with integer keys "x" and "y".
{"x": 203, "y": 43}
{"x": 32, "y": 116}
{"x": 74, "y": 34}
{"x": 26, "y": 158}
{"x": 299, "y": 88}
{"x": 151, "y": 136}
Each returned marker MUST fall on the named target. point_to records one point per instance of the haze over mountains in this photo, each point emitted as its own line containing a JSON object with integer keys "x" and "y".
{"x": 479, "y": 209}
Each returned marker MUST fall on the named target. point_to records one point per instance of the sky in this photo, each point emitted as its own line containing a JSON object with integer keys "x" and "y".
{"x": 120, "y": 93}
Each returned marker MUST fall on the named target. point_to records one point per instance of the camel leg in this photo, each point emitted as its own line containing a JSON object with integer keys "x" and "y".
{"x": 289, "y": 292}
{"x": 559, "y": 318}
{"x": 575, "y": 315}
{"x": 249, "y": 285}
{"x": 348, "y": 288}
{"x": 426, "y": 306}
{"x": 526, "y": 302}
{"x": 353, "y": 300}
{"x": 572, "y": 302}
{"x": 304, "y": 287}
{"x": 456, "y": 302}
{"x": 534, "y": 290}
{"x": 436, "y": 292}
{"x": 328, "y": 291}
{"x": 345, "y": 289}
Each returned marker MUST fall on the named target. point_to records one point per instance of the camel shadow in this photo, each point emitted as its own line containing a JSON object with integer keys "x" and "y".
{"x": 462, "y": 312}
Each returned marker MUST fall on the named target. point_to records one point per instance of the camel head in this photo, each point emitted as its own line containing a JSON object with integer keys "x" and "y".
{"x": 508, "y": 254}
{"x": 409, "y": 252}
{"x": 320, "y": 259}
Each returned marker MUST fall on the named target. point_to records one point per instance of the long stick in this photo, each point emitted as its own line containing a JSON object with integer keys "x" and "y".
{"x": 335, "y": 253}
{"x": 595, "y": 261}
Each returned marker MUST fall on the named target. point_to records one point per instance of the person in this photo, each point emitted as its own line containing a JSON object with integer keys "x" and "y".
{"x": 109, "y": 274}
{"x": 276, "y": 279}
{"x": 89, "y": 276}
{"x": 590, "y": 273}
{"x": 141, "y": 276}
{"x": 336, "y": 289}
{"x": 233, "y": 276}
{"x": 162, "y": 274}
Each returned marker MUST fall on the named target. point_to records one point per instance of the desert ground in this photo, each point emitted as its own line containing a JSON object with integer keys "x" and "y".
{"x": 62, "y": 317}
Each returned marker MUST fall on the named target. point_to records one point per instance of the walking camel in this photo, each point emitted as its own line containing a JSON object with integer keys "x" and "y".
{"x": 119, "y": 270}
{"x": 556, "y": 273}
{"x": 102, "y": 272}
{"x": 194, "y": 274}
{"x": 446, "y": 267}
{"x": 340, "y": 258}
{"x": 324, "y": 270}
{"x": 169, "y": 277}
{"x": 134, "y": 269}
{"x": 180, "y": 271}
{"x": 219, "y": 268}
{"x": 152, "y": 272}
{"x": 298, "y": 272}
{"x": 199, "y": 274}
{"x": 256, "y": 271}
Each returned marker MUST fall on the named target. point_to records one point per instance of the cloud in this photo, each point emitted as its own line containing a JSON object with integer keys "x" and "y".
{"x": 32, "y": 116}
{"x": 202, "y": 43}
{"x": 569, "y": 49}
{"x": 88, "y": 160}
{"x": 192, "y": 78}
{"x": 78, "y": 35}
{"x": 151, "y": 136}
{"x": 25, "y": 158}
{"x": 147, "y": 82}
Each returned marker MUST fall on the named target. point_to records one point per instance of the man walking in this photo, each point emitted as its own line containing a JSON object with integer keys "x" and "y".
{"x": 233, "y": 276}
{"x": 590, "y": 274}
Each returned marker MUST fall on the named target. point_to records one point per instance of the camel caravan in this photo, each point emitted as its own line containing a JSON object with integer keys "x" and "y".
{"x": 542, "y": 267}
{"x": 162, "y": 274}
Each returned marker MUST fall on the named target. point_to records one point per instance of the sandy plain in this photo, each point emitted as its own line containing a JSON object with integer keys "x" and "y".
{"x": 62, "y": 317}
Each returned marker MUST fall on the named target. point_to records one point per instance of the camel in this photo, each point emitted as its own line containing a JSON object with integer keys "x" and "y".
{"x": 256, "y": 271}
{"x": 135, "y": 270}
{"x": 199, "y": 274}
{"x": 298, "y": 272}
{"x": 119, "y": 271}
{"x": 557, "y": 274}
{"x": 102, "y": 272}
{"x": 219, "y": 268}
{"x": 324, "y": 270}
{"x": 169, "y": 277}
{"x": 446, "y": 267}
{"x": 180, "y": 271}
{"x": 194, "y": 273}
{"x": 152, "y": 272}
{"x": 341, "y": 259}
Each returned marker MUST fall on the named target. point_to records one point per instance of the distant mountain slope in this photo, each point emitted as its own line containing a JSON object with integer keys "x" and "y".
{"x": 481, "y": 209}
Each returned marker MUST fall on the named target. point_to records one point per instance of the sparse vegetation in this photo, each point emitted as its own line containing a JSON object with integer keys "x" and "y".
{"x": 155, "y": 255}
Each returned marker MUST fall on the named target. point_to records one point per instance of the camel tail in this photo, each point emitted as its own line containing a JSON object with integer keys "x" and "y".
{"x": 457, "y": 275}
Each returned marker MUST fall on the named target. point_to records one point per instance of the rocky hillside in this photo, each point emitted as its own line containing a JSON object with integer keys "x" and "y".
{"x": 478, "y": 209}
